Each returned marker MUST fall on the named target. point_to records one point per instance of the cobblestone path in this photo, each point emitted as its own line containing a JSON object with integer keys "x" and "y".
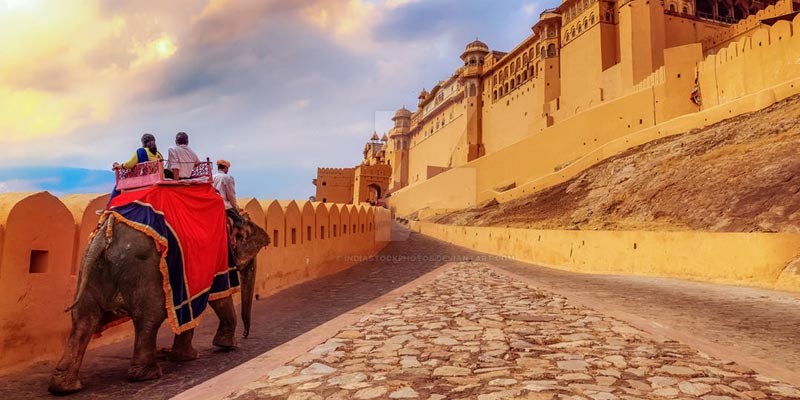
{"x": 474, "y": 333}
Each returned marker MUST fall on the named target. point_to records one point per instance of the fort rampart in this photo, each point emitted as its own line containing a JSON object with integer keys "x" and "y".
{"x": 749, "y": 74}
{"x": 42, "y": 239}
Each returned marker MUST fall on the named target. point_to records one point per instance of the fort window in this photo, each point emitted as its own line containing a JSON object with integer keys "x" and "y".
{"x": 354, "y": 225}
{"x": 39, "y": 261}
{"x": 294, "y": 236}
{"x": 362, "y": 228}
{"x": 275, "y": 238}
{"x": 344, "y": 229}
{"x": 322, "y": 232}
{"x": 334, "y": 231}
{"x": 308, "y": 234}
{"x": 324, "y": 183}
{"x": 672, "y": 8}
{"x": 324, "y": 199}
{"x": 685, "y": 10}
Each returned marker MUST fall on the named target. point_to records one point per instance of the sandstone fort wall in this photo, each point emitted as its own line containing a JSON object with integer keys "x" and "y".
{"x": 42, "y": 240}
{"x": 750, "y": 74}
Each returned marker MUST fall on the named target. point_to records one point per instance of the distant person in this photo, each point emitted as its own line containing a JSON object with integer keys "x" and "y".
{"x": 181, "y": 159}
{"x": 226, "y": 186}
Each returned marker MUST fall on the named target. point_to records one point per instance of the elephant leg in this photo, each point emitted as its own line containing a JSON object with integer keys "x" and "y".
{"x": 144, "y": 365}
{"x": 247, "y": 275}
{"x": 86, "y": 317}
{"x": 182, "y": 349}
{"x": 225, "y": 337}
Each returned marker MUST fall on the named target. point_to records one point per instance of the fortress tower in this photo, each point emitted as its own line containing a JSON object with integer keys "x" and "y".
{"x": 474, "y": 57}
{"x": 398, "y": 148}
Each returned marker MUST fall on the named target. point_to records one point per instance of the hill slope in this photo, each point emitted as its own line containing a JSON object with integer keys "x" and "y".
{"x": 739, "y": 175}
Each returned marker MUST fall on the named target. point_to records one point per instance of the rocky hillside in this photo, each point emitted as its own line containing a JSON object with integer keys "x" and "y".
{"x": 740, "y": 175}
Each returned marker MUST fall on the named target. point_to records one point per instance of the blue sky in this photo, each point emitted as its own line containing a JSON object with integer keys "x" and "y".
{"x": 276, "y": 87}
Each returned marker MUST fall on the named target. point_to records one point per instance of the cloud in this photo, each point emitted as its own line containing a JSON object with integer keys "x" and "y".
{"x": 18, "y": 185}
{"x": 277, "y": 87}
{"x": 532, "y": 8}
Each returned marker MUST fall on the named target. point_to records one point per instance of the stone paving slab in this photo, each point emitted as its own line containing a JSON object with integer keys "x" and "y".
{"x": 473, "y": 333}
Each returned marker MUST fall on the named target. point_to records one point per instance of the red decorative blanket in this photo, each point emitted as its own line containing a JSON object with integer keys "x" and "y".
{"x": 187, "y": 224}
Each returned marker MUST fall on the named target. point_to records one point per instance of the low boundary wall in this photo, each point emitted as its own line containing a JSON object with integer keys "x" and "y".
{"x": 767, "y": 260}
{"x": 43, "y": 238}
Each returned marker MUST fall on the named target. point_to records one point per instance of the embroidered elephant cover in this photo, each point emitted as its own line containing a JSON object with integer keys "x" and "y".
{"x": 187, "y": 224}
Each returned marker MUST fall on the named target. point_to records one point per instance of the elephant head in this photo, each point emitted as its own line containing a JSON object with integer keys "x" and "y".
{"x": 250, "y": 240}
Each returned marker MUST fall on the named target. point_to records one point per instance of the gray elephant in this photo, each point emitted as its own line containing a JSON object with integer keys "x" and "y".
{"x": 120, "y": 276}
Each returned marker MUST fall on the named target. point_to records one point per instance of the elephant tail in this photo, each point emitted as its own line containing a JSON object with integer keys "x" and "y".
{"x": 91, "y": 258}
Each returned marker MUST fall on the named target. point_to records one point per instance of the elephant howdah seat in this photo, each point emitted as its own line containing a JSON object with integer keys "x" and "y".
{"x": 152, "y": 173}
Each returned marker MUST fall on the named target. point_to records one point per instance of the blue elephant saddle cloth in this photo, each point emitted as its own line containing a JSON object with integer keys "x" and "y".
{"x": 188, "y": 226}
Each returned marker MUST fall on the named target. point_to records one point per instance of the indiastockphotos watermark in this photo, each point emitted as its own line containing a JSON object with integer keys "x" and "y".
{"x": 414, "y": 258}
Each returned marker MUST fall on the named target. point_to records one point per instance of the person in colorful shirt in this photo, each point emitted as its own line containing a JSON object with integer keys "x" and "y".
{"x": 148, "y": 152}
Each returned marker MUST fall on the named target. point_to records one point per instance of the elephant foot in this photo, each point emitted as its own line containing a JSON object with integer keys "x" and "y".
{"x": 140, "y": 373}
{"x": 182, "y": 355}
{"x": 62, "y": 384}
{"x": 225, "y": 341}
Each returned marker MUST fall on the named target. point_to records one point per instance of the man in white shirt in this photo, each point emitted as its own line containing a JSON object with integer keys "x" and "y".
{"x": 181, "y": 159}
{"x": 226, "y": 186}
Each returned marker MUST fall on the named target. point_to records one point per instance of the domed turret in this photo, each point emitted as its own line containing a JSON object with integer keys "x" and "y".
{"x": 385, "y": 138}
{"x": 477, "y": 44}
{"x": 374, "y": 137}
{"x": 401, "y": 113}
{"x": 475, "y": 53}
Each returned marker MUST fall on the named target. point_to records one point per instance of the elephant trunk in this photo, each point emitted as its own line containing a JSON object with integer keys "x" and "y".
{"x": 247, "y": 278}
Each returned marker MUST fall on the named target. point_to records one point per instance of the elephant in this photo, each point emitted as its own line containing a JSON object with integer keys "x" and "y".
{"x": 120, "y": 276}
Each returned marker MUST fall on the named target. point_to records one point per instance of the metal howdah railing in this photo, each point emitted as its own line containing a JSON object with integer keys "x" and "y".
{"x": 152, "y": 173}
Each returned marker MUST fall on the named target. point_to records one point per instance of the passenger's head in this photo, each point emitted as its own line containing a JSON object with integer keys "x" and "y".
{"x": 181, "y": 138}
{"x": 223, "y": 165}
{"x": 149, "y": 141}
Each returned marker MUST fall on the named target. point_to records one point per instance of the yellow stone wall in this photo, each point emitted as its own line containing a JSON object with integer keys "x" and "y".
{"x": 441, "y": 143}
{"x": 765, "y": 260}
{"x": 512, "y": 117}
